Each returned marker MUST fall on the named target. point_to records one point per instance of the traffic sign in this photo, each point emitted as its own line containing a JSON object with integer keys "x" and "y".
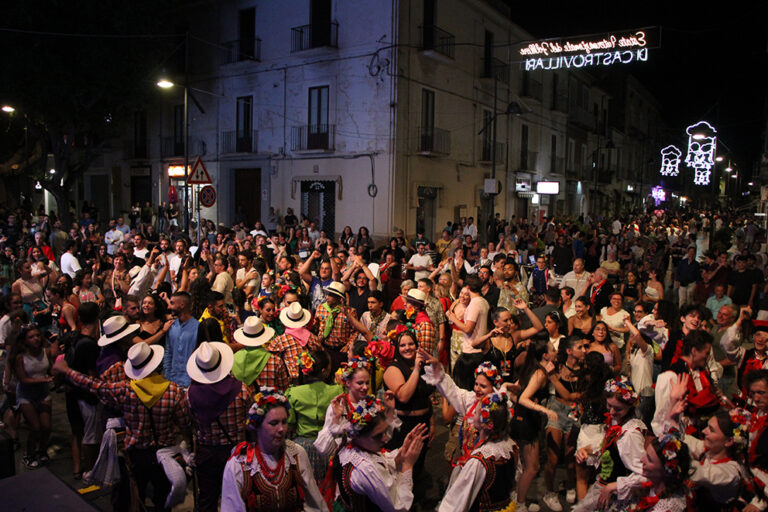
{"x": 207, "y": 196}
{"x": 199, "y": 174}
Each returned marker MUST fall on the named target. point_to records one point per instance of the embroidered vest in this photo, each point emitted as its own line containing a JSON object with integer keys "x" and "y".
{"x": 499, "y": 479}
{"x": 700, "y": 402}
{"x": 285, "y": 495}
{"x": 351, "y": 500}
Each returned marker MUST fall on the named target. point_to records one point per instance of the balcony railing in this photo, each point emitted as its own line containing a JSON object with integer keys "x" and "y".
{"x": 434, "y": 141}
{"x": 313, "y": 137}
{"x": 533, "y": 89}
{"x": 528, "y": 160}
{"x": 315, "y": 35}
{"x": 436, "y": 39}
{"x": 170, "y": 147}
{"x": 243, "y": 49}
{"x": 501, "y": 153}
{"x": 495, "y": 68}
{"x": 240, "y": 143}
{"x": 136, "y": 149}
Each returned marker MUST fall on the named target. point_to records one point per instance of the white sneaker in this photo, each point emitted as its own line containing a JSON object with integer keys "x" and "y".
{"x": 552, "y": 502}
{"x": 520, "y": 507}
{"x": 534, "y": 507}
{"x": 570, "y": 496}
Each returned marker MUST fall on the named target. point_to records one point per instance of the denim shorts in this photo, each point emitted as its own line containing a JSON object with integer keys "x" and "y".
{"x": 563, "y": 423}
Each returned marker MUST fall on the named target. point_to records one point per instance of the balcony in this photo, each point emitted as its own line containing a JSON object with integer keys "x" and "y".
{"x": 486, "y": 158}
{"x": 314, "y": 137}
{"x": 532, "y": 89}
{"x": 246, "y": 143}
{"x": 170, "y": 147}
{"x": 528, "y": 160}
{"x": 136, "y": 149}
{"x": 434, "y": 39}
{"x": 243, "y": 49}
{"x": 494, "y": 68}
{"x": 433, "y": 141}
{"x": 315, "y": 35}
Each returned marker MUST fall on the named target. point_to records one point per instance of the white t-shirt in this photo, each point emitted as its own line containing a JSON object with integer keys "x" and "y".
{"x": 141, "y": 253}
{"x": 69, "y": 264}
{"x": 240, "y": 275}
{"x": 417, "y": 260}
{"x": 642, "y": 371}
{"x": 224, "y": 285}
{"x": 477, "y": 311}
{"x": 112, "y": 238}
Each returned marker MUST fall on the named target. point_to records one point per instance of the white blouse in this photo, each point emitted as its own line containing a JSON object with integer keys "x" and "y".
{"x": 723, "y": 479}
{"x": 460, "y": 399}
{"x": 466, "y": 481}
{"x": 232, "y": 482}
{"x": 377, "y": 477}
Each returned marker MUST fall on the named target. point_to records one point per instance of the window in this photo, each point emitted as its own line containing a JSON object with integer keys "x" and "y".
{"x": 178, "y": 130}
{"x": 244, "y": 124}
{"x": 427, "y": 120}
{"x": 320, "y": 22}
{"x": 317, "y": 137}
{"x": 524, "y": 147}
{"x": 247, "y": 35}
{"x": 488, "y": 54}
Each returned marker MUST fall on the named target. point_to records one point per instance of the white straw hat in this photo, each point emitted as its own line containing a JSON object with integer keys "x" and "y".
{"x": 295, "y": 316}
{"x": 143, "y": 359}
{"x": 253, "y": 333}
{"x": 116, "y": 328}
{"x": 210, "y": 363}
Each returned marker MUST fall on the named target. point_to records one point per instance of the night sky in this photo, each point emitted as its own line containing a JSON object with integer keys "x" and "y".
{"x": 712, "y": 63}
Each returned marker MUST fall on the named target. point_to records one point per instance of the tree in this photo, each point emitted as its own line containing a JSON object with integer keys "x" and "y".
{"x": 75, "y": 71}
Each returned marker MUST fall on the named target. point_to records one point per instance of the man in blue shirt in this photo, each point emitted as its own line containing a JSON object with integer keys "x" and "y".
{"x": 181, "y": 341}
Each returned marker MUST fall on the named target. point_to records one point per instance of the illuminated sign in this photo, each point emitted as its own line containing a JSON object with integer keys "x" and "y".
{"x": 670, "y": 161}
{"x": 176, "y": 171}
{"x": 658, "y": 194}
{"x": 702, "y": 140}
{"x": 548, "y": 187}
{"x": 623, "y": 47}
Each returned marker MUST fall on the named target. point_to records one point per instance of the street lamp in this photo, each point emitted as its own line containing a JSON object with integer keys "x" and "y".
{"x": 8, "y": 109}
{"x": 165, "y": 83}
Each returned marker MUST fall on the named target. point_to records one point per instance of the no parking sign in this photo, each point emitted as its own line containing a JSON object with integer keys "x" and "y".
{"x": 207, "y": 196}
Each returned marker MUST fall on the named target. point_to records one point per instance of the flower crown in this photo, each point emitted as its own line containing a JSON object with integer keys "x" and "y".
{"x": 671, "y": 442}
{"x": 740, "y": 419}
{"x": 382, "y": 349}
{"x": 623, "y": 388}
{"x": 354, "y": 364}
{"x": 265, "y": 399}
{"x": 490, "y": 372}
{"x": 362, "y": 414}
{"x": 492, "y": 402}
{"x": 305, "y": 362}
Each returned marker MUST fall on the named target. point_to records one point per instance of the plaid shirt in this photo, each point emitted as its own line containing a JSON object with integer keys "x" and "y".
{"x": 289, "y": 350}
{"x": 341, "y": 332}
{"x": 170, "y": 413}
{"x": 426, "y": 336}
{"x": 233, "y": 420}
{"x": 114, "y": 373}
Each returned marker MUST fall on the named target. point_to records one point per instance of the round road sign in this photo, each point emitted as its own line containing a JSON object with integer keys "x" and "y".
{"x": 207, "y": 196}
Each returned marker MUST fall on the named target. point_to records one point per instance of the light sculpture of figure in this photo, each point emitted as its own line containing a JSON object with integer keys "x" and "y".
{"x": 670, "y": 161}
{"x": 702, "y": 139}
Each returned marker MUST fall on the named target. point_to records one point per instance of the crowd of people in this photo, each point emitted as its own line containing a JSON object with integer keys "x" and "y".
{"x": 286, "y": 369}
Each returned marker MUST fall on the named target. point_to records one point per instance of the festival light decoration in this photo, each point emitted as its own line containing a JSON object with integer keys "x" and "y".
{"x": 670, "y": 161}
{"x": 702, "y": 138}
{"x": 658, "y": 194}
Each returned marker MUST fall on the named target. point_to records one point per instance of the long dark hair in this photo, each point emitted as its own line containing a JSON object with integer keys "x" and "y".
{"x": 536, "y": 350}
{"x": 596, "y": 373}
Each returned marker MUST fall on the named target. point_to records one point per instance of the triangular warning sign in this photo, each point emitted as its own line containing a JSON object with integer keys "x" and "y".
{"x": 199, "y": 174}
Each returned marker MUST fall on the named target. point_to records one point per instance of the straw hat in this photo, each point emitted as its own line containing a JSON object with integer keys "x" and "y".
{"x": 295, "y": 316}
{"x": 416, "y": 296}
{"x": 253, "y": 333}
{"x": 337, "y": 289}
{"x": 210, "y": 363}
{"x": 115, "y": 329}
{"x": 143, "y": 359}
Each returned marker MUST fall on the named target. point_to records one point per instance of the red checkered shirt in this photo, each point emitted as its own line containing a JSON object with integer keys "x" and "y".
{"x": 275, "y": 373}
{"x": 114, "y": 373}
{"x": 289, "y": 349}
{"x": 170, "y": 413}
{"x": 340, "y": 332}
{"x": 233, "y": 420}
{"x": 426, "y": 336}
